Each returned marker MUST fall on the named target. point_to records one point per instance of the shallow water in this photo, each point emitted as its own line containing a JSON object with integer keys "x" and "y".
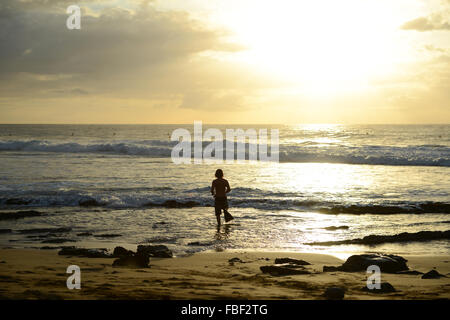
{"x": 276, "y": 205}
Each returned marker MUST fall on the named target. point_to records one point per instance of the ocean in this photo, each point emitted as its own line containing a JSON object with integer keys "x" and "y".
{"x": 117, "y": 185}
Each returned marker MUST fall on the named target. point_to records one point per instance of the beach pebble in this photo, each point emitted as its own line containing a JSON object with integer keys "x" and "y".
{"x": 410, "y": 272}
{"x": 334, "y": 293}
{"x": 282, "y": 270}
{"x": 385, "y": 287}
{"x": 291, "y": 261}
{"x": 433, "y": 274}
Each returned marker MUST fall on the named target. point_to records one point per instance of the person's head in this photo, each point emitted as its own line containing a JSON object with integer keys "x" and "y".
{"x": 219, "y": 173}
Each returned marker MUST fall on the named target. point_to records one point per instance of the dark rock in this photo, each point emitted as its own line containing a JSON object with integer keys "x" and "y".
{"x": 198, "y": 243}
{"x": 334, "y": 293}
{"x": 410, "y": 272}
{"x": 84, "y": 234}
{"x": 139, "y": 260}
{"x": 81, "y": 252}
{"x": 58, "y": 240}
{"x": 122, "y": 252}
{"x": 435, "y": 207}
{"x": 17, "y": 202}
{"x": 282, "y": 270}
{"x": 387, "y": 263}
{"x": 173, "y": 204}
{"x": 385, "y": 287}
{"x": 425, "y": 207}
{"x": 236, "y": 259}
{"x": 89, "y": 203}
{"x": 19, "y": 214}
{"x": 46, "y": 230}
{"x": 290, "y": 265}
{"x": 333, "y": 228}
{"x": 433, "y": 274}
{"x": 291, "y": 261}
{"x": 402, "y": 237}
{"x": 106, "y": 235}
{"x": 5, "y": 231}
{"x": 330, "y": 269}
{"x": 156, "y": 251}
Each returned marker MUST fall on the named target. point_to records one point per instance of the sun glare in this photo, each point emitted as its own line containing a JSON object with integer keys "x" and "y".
{"x": 320, "y": 46}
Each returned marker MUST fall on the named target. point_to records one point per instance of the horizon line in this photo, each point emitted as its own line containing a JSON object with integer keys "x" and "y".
{"x": 240, "y": 123}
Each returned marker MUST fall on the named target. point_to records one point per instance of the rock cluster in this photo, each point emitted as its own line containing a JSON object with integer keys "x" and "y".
{"x": 388, "y": 263}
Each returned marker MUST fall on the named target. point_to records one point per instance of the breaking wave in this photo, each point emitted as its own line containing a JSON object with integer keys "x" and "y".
{"x": 266, "y": 201}
{"x": 420, "y": 155}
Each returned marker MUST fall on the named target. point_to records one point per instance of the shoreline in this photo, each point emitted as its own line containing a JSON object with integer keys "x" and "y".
{"x": 41, "y": 274}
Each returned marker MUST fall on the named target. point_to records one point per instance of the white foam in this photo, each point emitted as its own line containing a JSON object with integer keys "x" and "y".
{"x": 420, "y": 155}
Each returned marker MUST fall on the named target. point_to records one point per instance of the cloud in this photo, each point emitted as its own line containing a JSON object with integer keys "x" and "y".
{"x": 115, "y": 40}
{"x": 423, "y": 24}
{"x": 138, "y": 53}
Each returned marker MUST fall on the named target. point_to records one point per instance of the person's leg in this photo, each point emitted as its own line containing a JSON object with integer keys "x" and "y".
{"x": 228, "y": 216}
{"x": 218, "y": 212}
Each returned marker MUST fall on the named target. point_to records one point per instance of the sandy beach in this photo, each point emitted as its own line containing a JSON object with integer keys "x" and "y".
{"x": 41, "y": 274}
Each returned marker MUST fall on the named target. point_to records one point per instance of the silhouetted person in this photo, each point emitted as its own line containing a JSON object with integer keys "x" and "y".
{"x": 219, "y": 189}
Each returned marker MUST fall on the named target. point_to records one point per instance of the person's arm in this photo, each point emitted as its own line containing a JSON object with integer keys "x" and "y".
{"x": 212, "y": 188}
{"x": 227, "y": 185}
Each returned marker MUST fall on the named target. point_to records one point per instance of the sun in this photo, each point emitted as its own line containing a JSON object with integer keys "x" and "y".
{"x": 323, "y": 46}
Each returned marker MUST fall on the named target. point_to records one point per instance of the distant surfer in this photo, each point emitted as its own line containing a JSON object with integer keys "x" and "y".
{"x": 219, "y": 189}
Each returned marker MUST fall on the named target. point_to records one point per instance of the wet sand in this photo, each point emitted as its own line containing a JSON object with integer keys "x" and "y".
{"x": 41, "y": 274}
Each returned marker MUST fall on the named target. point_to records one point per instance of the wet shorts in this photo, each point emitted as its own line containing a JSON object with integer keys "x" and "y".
{"x": 220, "y": 203}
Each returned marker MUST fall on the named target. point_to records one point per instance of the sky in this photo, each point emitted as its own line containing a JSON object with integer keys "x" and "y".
{"x": 233, "y": 61}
